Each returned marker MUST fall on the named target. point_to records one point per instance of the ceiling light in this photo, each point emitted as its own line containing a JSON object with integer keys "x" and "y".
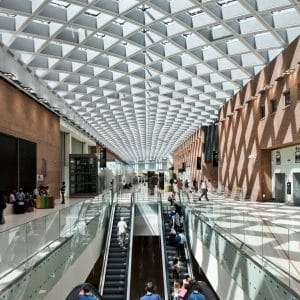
{"x": 187, "y": 34}
{"x": 101, "y": 35}
{"x": 289, "y": 71}
{"x": 168, "y": 21}
{"x": 60, "y": 3}
{"x": 245, "y": 19}
{"x": 143, "y": 7}
{"x": 195, "y": 11}
{"x": 92, "y": 12}
{"x": 226, "y": 2}
{"x": 120, "y": 21}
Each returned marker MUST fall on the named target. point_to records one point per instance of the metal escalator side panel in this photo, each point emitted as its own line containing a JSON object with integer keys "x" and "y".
{"x": 130, "y": 246}
{"x": 106, "y": 251}
{"x": 116, "y": 260}
{"x": 163, "y": 250}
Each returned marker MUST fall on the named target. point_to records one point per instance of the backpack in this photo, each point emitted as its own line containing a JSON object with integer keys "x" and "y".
{"x": 177, "y": 240}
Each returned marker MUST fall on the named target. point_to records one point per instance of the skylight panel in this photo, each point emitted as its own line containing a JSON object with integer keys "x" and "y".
{"x": 60, "y": 3}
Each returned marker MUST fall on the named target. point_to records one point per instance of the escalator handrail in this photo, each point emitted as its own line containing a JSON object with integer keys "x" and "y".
{"x": 106, "y": 251}
{"x": 163, "y": 250}
{"x": 74, "y": 294}
{"x": 187, "y": 246}
{"x": 130, "y": 245}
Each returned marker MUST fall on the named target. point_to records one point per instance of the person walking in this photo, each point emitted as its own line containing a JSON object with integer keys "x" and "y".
{"x": 203, "y": 187}
{"x": 62, "y": 191}
{"x": 122, "y": 226}
{"x": 150, "y": 293}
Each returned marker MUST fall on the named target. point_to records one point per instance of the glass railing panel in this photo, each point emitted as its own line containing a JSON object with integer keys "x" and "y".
{"x": 64, "y": 222}
{"x": 294, "y": 263}
{"x": 52, "y": 227}
{"x": 13, "y": 250}
{"x": 35, "y": 239}
{"x": 275, "y": 248}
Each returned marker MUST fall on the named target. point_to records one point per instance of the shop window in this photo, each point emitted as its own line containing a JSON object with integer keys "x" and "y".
{"x": 274, "y": 104}
{"x": 262, "y": 111}
{"x": 287, "y": 98}
{"x": 278, "y": 157}
{"x": 297, "y": 155}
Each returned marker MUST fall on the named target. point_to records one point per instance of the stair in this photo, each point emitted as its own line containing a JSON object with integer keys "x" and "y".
{"x": 171, "y": 249}
{"x": 115, "y": 277}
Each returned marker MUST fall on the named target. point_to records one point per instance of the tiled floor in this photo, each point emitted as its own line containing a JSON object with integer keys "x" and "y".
{"x": 271, "y": 230}
{"x": 12, "y": 220}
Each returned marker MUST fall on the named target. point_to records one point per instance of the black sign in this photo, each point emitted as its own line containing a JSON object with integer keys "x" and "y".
{"x": 198, "y": 163}
{"x": 215, "y": 158}
{"x": 102, "y": 158}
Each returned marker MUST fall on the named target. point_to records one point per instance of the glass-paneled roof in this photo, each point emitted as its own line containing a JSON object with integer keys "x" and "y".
{"x": 146, "y": 74}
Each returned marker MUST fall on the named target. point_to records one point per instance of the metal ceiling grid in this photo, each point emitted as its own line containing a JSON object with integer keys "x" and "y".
{"x": 146, "y": 74}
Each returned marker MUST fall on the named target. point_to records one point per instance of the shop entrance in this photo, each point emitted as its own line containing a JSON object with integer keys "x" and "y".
{"x": 279, "y": 187}
{"x": 296, "y": 189}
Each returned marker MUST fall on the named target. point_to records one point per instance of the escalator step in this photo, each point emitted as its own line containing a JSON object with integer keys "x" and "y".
{"x": 113, "y": 297}
{"x": 113, "y": 290}
{"x": 114, "y": 283}
{"x": 114, "y": 272}
{"x": 117, "y": 254}
{"x": 116, "y": 265}
{"x": 117, "y": 260}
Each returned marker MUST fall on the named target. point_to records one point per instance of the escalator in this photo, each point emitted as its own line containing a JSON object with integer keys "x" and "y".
{"x": 115, "y": 283}
{"x": 170, "y": 250}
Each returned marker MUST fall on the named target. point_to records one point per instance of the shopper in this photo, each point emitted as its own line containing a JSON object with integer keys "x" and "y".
{"x": 150, "y": 293}
{"x": 62, "y": 191}
{"x": 203, "y": 187}
{"x": 122, "y": 226}
{"x": 196, "y": 294}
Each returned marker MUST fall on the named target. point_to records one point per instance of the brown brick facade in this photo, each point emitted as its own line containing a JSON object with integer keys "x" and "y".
{"x": 22, "y": 117}
{"x": 248, "y": 129}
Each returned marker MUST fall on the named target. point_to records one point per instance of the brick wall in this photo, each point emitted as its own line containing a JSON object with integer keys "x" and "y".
{"x": 22, "y": 117}
{"x": 245, "y": 138}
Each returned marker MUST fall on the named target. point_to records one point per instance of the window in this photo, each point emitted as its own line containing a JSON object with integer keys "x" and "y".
{"x": 273, "y": 106}
{"x": 287, "y": 98}
{"x": 262, "y": 111}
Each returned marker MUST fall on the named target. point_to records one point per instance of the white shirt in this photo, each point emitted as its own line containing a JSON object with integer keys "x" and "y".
{"x": 182, "y": 238}
{"x": 121, "y": 227}
{"x": 203, "y": 185}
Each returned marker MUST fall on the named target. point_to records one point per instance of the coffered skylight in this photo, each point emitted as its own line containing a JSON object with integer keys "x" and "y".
{"x": 146, "y": 74}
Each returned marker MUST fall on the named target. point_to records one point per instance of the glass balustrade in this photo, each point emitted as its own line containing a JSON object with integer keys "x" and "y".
{"x": 23, "y": 246}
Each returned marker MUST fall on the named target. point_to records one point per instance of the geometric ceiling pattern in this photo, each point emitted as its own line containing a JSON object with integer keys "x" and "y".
{"x": 147, "y": 74}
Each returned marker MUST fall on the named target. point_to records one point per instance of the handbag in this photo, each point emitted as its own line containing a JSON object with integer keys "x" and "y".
{"x": 173, "y": 231}
{"x": 182, "y": 293}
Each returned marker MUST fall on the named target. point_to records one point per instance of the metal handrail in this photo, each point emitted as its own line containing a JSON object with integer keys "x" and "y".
{"x": 106, "y": 251}
{"x": 187, "y": 249}
{"x": 74, "y": 294}
{"x": 130, "y": 245}
{"x": 163, "y": 251}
